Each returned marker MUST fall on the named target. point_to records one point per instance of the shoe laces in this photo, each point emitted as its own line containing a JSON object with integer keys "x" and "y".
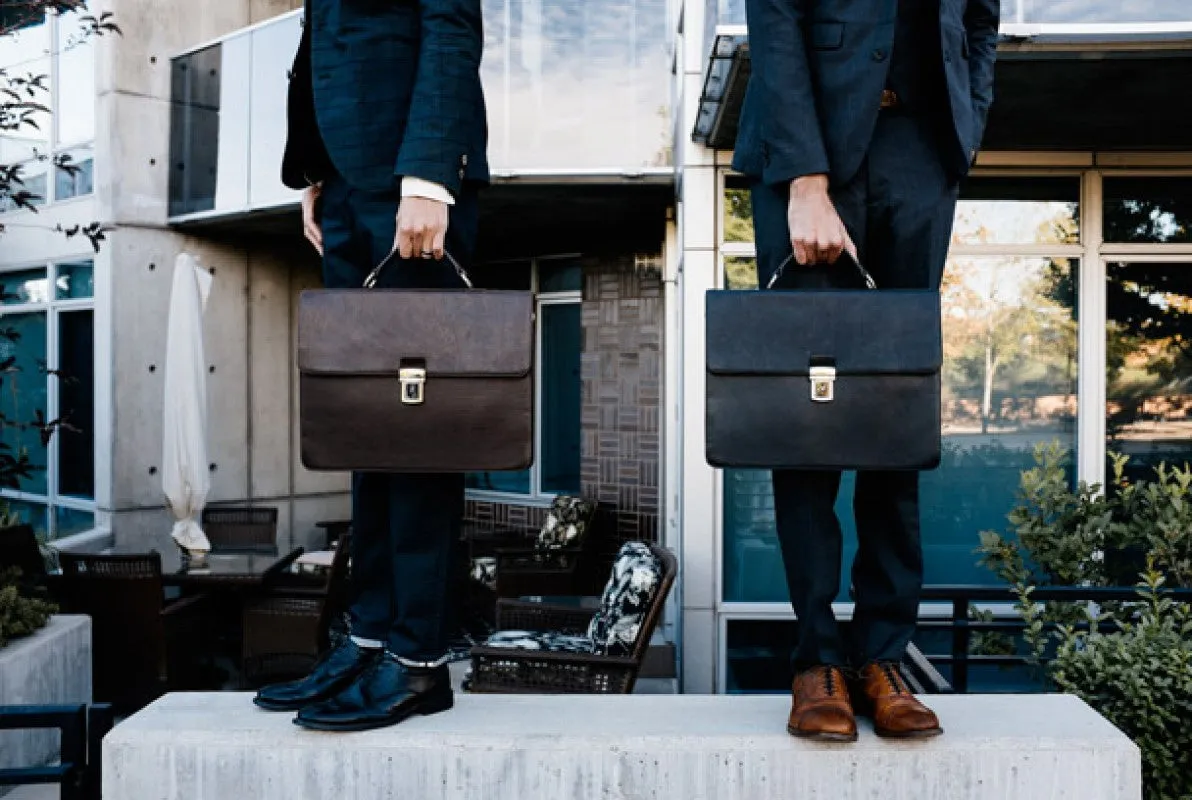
{"x": 892, "y": 677}
{"x": 829, "y": 681}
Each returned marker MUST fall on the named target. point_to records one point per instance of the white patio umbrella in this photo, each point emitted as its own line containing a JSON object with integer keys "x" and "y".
{"x": 184, "y": 474}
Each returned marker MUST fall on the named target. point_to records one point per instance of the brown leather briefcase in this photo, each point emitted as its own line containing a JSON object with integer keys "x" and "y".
{"x": 416, "y": 380}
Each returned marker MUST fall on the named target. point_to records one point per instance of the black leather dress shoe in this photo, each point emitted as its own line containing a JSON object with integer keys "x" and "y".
{"x": 385, "y": 695}
{"x": 338, "y": 668}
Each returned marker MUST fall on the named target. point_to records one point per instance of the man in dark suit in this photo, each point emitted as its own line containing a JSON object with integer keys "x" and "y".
{"x": 387, "y": 138}
{"x": 860, "y": 119}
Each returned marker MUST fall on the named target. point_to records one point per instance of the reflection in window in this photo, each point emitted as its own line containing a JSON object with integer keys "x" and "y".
{"x": 1018, "y": 211}
{"x": 1148, "y": 210}
{"x": 740, "y": 272}
{"x": 75, "y": 280}
{"x": 1149, "y": 364}
{"x": 74, "y": 173}
{"x": 561, "y": 387}
{"x": 75, "y": 100}
{"x": 1009, "y": 383}
{"x": 738, "y": 211}
{"x": 23, "y": 396}
{"x": 25, "y": 58}
{"x": 25, "y": 286}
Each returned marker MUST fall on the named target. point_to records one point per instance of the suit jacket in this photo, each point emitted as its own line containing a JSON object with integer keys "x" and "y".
{"x": 387, "y": 88}
{"x": 818, "y": 68}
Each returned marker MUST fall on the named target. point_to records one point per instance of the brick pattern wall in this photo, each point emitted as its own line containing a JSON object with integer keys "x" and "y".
{"x": 621, "y": 373}
{"x": 622, "y": 391}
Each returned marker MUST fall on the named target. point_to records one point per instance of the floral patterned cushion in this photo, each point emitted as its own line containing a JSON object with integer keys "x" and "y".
{"x": 565, "y": 523}
{"x": 627, "y": 595}
{"x": 484, "y": 571}
{"x": 538, "y": 640}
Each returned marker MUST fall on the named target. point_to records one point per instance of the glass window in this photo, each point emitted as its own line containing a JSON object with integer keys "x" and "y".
{"x": 1148, "y": 210}
{"x": 560, "y": 428}
{"x": 1009, "y": 383}
{"x": 1105, "y": 11}
{"x": 25, "y": 59}
{"x": 28, "y": 513}
{"x": 1148, "y": 364}
{"x": 740, "y": 272}
{"x": 738, "y": 211}
{"x": 26, "y": 286}
{"x": 1018, "y": 211}
{"x": 74, "y": 111}
{"x": 23, "y": 399}
{"x": 75, "y": 280}
{"x": 558, "y": 375}
{"x": 560, "y": 275}
{"x": 758, "y": 660}
{"x": 69, "y": 521}
{"x": 74, "y": 173}
{"x": 76, "y": 404}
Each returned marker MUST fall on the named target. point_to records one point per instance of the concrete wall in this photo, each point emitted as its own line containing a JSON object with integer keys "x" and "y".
{"x": 251, "y": 392}
{"x": 51, "y": 667}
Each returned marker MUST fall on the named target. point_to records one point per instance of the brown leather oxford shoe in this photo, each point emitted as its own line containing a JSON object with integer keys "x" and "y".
{"x": 896, "y": 712}
{"x": 821, "y": 708}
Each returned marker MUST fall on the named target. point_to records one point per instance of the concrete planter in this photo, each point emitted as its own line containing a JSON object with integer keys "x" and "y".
{"x": 53, "y": 666}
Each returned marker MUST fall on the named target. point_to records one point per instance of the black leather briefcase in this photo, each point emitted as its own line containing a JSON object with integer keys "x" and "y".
{"x": 824, "y": 378}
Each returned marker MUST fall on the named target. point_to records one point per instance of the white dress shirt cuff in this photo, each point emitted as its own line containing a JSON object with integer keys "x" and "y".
{"x": 417, "y": 187}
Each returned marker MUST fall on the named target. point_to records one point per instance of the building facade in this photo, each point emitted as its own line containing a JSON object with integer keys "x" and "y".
{"x": 611, "y": 129}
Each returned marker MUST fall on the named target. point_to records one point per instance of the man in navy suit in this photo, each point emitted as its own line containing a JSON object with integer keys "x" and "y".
{"x": 860, "y": 119}
{"x": 387, "y": 139}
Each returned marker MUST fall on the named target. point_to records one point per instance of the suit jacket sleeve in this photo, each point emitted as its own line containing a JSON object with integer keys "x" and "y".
{"x": 439, "y": 129}
{"x": 790, "y": 129}
{"x": 981, "y": 19}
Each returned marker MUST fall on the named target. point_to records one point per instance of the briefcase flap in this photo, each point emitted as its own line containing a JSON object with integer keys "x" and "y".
{"x": 449, "y": 333}
{"x": 858, "y": 332}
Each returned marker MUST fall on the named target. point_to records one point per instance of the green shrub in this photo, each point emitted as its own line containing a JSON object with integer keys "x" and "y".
{"x": 1132, "y": 661}
{"x": 20, "y": 615}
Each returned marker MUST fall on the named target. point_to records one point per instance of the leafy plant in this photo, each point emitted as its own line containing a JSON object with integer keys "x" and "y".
{"x": 20, "y": 615}
{"x": 1132, "y": 661}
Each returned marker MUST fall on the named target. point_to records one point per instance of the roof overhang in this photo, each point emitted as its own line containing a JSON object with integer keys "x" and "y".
{"x": 1110, "y": 87}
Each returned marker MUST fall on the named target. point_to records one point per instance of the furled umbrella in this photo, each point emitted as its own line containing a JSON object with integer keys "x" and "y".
{"x": 185, "y": 478}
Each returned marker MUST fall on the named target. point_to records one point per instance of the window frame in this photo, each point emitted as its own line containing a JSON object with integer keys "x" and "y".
{"x": 52, "y": 308}
{"x": 536, "y": 496}
{"x": 55, "y": 146}
{"x": 1092, "y": 255}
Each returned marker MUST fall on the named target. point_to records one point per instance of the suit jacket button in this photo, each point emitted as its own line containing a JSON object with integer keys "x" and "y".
{"x": 879, "y": 55}
{"x": 463, "y": 160}
{"x": 461, "y": 174}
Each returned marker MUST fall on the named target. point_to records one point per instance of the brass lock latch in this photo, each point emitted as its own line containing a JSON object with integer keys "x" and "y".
{"x": 823, "y": 384}
{"x": 413, "y": 385}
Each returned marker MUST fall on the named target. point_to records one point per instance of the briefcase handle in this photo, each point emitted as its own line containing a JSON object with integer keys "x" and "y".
{"x": 870, "y": 283}
{"x": 371, "y": 279}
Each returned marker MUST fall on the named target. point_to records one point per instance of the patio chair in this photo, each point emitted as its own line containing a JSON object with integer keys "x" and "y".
{"x": 139, "y": 644}
{"x": 552, "y": 564}
{"x": 284, "y": 633}
{"x": 19, "y": 549}
{"x": 241, "y": 529}
{"x": 544, "y": 648}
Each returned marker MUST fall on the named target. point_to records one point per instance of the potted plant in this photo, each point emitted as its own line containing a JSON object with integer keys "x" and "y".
{"x": 1132, "y": 661}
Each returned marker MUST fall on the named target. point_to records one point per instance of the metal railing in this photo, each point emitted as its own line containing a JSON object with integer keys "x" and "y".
{"x": 82, "y": 728}
{"x": 962, "y": 627}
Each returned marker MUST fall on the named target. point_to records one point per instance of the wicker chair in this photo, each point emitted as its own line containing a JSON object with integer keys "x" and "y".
{"x": 544, "y": 648}
{"x": 139, "y": 645}
{"x": 235, "y": 529}
{"x": 552, "y": 564}
{"x": 284, "y": 633}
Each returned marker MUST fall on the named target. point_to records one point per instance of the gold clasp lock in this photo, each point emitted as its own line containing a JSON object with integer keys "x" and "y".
{"x": 413, "y": 385}
{"x": 823, "y": 384}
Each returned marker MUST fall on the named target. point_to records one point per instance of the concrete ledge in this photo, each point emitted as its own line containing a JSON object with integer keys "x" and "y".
{"x": 51, "y": 667}
{"x": 686, "y": 747}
